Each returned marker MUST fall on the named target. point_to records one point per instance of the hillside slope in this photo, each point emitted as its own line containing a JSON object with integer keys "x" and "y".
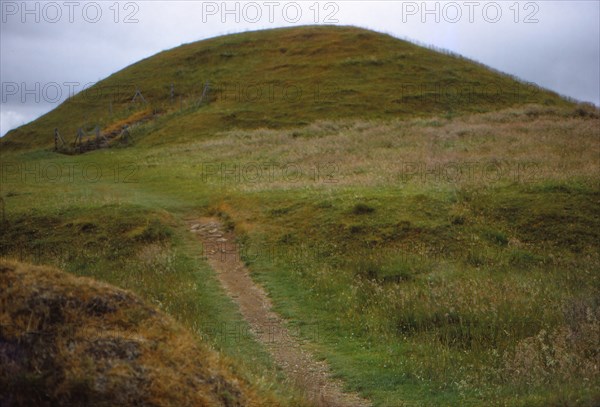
{"x": 280, "y": 78}
{"x": 68, "y": 340}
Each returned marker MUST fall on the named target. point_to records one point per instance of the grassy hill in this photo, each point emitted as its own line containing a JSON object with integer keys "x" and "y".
{"x": 447, "y": 249}
{"x": 281, "y": 78}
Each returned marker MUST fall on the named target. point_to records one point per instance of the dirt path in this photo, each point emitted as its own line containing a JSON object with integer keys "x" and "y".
{"x": 300, "y": 366}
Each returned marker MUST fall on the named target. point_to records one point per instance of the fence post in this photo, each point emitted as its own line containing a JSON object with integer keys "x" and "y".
{"x": 2, "y": 209}
{"x": 138, "y": 93}
{"x": 205, "y": 91}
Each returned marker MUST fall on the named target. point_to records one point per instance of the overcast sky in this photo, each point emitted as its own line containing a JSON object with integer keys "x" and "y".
{"x": 51, "y": 49}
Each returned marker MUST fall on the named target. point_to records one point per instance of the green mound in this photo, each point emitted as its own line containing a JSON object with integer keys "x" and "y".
{"x": 279, "y": 78}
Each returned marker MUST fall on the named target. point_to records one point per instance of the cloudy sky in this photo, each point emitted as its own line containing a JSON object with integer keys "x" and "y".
{"x": 48, "y": 50}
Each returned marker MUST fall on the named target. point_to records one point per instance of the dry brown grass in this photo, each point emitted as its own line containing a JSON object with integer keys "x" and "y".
{"x": 132, "y": 119}
{"x": 521, "y": 145}
{"x": 72, "y": 340}
{"x": 569, "y": 351}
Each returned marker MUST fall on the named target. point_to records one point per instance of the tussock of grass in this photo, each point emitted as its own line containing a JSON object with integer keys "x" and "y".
{"x": 72, "y": 340}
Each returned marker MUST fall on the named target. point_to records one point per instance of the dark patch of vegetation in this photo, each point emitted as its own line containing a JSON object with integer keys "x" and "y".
{"x": 362, "y": 209}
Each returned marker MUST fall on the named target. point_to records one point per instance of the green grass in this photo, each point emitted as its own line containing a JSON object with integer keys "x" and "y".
{"x": 422, "y": 292}
{"x": 151, "y": 254}
{"x": 448, "y": 325}
{"x": 428, "y": 288}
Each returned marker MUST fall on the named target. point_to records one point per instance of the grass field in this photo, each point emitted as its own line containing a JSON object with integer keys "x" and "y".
{"x": 447, "y": 252}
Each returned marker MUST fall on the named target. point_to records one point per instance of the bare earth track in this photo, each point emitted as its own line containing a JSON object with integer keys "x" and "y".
{"x": 299, "y": 365}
